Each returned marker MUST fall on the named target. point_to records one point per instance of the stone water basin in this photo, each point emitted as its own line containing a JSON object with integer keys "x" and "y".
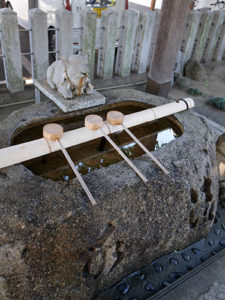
{"x": 98, "y": 153}
{"x": 55, "y": 245}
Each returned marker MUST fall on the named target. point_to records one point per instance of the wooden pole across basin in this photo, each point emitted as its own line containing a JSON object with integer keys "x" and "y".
{"x": 16, "y": 154}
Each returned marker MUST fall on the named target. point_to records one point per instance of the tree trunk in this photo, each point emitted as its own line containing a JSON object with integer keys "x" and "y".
{"x": 168, "y": 41}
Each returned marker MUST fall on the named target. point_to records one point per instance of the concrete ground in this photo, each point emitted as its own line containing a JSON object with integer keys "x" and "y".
{"x": 201, "y": 105}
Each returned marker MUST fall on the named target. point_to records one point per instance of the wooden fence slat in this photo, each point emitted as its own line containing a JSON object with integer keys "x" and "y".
{"x": 210, "y": 37}
{"x": 88, "y": 39}
{"x": 11, "y": 50}
{"x": 64, "y": 40}
{"x": 199, "y": 32}
{"x": 193, "y": 21}
{"x": 185, "y": 35}
{"x": 106, "y": 53}
{"x": 203, "y": 34}
{"x": 221, "y": 52}
{"x": 220, "y": 44}
{"x": 154, "y": 33}
{"x": 217, "y": 30}
{"x": 143, "y": 41}
{"x": 128, "y": 27}
{"x": 39, "y": 42}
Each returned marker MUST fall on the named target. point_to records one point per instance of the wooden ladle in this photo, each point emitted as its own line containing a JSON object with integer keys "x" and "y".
{"x": 116, "y": 118}
{"x": 54, "y": 132}
{"x": 95, "y": 122}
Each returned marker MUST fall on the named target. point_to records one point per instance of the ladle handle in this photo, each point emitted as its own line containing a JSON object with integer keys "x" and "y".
{"x": 124, "y": 157}
{"x": 145, "y": 149}
{"x": 84, "y": 186}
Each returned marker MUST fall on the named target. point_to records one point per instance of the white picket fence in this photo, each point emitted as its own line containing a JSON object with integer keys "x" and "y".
{"x": 115, "y": 48}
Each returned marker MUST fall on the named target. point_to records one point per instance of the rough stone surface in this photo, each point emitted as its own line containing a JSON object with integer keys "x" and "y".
{"x": 182, "y": 81}
{"x": 64, "y": 21}
{"x": 194, "y": 70}
{"x": 3, "y": 289}
{"x": 12, "y": 50}
{"x": 55, "y": 245}
{"x": 39, "y": 39}
{"x": 222, "y": 192}
{"x": 88, "y": 40}
{"x": 220, "y": 154}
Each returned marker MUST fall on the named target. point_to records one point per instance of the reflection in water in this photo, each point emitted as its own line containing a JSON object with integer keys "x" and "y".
{"x": 164, "y": 137}
{"x": 161, "y": 139}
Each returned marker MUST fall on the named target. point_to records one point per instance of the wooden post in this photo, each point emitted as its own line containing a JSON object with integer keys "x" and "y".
{"x": 168, "y": 42}
{"x": 152, "y": 7}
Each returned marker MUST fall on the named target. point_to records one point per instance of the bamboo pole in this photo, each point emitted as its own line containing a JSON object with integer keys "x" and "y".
{"x": 18, "y": 153}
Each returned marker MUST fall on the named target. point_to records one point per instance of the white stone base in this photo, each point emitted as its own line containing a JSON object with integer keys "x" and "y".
{"x": 68, "y": 105}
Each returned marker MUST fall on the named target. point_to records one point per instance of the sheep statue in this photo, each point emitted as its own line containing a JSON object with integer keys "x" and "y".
{"x": 70, "y": 76}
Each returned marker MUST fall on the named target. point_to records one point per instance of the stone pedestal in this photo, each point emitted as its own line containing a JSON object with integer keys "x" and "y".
{"x": 68, "y": 105}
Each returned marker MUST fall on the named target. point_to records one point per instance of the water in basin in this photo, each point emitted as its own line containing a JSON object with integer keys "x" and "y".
{"x": 98, "y": 153}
